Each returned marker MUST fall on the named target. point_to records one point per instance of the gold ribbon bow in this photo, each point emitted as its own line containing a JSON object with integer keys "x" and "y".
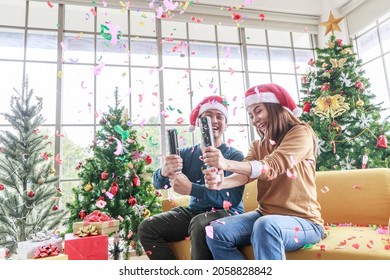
{"x": 87, "y": 231}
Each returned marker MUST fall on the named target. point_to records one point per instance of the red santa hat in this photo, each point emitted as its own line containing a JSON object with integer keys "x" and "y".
{"x": 271, "y": 93}
{"x": 211, "y": 102}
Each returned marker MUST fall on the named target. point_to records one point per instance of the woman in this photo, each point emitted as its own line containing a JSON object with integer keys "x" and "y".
{"x": 283, "y": 161}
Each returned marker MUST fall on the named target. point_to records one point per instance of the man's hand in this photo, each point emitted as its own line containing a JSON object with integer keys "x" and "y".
{"x": 172, "y": 164}
{"x": 180, "y": 183}
{"x": 213, "y": 157}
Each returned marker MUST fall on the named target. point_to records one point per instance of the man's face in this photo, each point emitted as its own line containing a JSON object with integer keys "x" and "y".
{"x": 218, "y": 122}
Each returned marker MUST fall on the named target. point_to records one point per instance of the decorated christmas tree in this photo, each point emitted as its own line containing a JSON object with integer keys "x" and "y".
{"x": 117, "y": 181}
{"x": 339, "y": 105}
{"x": 29, "y": 195}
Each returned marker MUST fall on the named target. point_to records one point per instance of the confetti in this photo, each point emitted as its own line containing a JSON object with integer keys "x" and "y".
{"x": 292, "y": 175}
{"x": 226, "y": 205}
{"x": 209, "y": 232}
{"x": 58, "y": 160}
{"x": 324, "y": 189}
{"x": 49, "y": 4}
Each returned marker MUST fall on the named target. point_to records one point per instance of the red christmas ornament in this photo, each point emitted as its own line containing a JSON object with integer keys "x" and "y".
{"x": 136, "y": 181}
{"x": 31, "y": 194}
{"x": 2, "y": 187}
{"x": 104, "y": 175}
{"x": 382, "y": 142}
{"x": 82, "y": 214}
{"x": 55, "y": 208}
{"x": 114, "y": 188}
{"x": 132, "y": 201}
{"x": 307, "y": 107}
{"x": 148, "y": 159}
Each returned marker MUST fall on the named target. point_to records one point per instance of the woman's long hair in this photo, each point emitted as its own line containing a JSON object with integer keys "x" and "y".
{"x": 280, "y": 121}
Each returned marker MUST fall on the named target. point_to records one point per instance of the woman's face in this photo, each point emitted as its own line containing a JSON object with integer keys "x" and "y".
{"x": 258, "y": 114}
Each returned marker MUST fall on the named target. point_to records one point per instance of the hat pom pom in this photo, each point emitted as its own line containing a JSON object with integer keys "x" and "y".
{"x": 297, "y": 112}
{"x": 191, "y": 128}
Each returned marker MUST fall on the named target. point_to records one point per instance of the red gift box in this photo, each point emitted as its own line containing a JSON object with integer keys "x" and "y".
{"x": 94, "y": 247}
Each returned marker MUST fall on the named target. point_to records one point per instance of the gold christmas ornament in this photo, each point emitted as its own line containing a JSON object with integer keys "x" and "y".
{"x": 346, "y": 51}
{"x": 52, "y": 171}
{"x": 88, "y": 187}
{"x": 146, "y": 213}
{"x": 337, "y": 62}
{"x": 41, "y": 181}
{"x": 332, "y": 106}
{"x": 359, "y": 103}
{"x": 332, "y": 24}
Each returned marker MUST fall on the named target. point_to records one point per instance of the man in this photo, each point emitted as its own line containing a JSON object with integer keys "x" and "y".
{"x": 205, "y": 205}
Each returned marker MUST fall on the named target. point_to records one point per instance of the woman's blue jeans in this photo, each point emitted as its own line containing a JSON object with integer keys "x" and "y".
{"x": 271, "y": 235}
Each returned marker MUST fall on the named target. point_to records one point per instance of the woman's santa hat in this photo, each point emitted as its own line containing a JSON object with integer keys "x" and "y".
{"x": 211, "y": 102}
{"x": 271, "y": 93}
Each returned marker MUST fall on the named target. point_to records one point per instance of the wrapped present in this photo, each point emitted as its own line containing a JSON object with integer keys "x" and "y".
{"x": 27, "y": 249}
{"x": 50, "y": 250}
{"x": 93, "y": 247}
{"x": 54, "y": 258}
{"x": 103, "y": 224}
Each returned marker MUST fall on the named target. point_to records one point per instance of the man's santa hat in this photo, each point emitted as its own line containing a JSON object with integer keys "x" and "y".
{"x": 211, "y": 102}
{"x": 271, "y": 93}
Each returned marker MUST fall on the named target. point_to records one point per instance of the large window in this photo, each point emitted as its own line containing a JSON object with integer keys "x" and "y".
{"x": 161, "y": 67}
{"x": 373, "y": 47}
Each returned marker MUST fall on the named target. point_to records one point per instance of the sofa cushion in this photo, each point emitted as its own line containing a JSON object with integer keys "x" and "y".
{"x": 343, "y": 243}
{"x": 357, "y": 197}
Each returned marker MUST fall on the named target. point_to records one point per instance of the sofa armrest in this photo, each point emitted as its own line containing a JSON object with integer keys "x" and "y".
{"x": 169, "y": 203}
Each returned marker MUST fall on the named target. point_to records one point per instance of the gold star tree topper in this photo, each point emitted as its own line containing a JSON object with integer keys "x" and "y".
{"x": 332, "y": 24}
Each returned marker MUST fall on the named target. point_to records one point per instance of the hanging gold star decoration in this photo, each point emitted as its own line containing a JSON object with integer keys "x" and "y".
{"x": 332, "y": 24}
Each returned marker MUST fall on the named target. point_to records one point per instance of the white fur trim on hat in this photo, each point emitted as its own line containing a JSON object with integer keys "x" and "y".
{"x": 261, "y": 97}
{"x": 214, "y": 105}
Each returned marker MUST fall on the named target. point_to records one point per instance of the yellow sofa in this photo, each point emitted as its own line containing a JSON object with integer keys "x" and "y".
{"x": 356, "y": 209}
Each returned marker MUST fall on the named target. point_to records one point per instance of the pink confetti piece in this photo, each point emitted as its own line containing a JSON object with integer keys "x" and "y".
{"x": 148, "y": 252}
{"x": 120, "y": 218}
{"x": 209, "y": 232}
{"x": 292, "y": 160}
{"x": 58, "y": 134}
{"x": 119, "y": 147}
{"x": 93, "y": 11}
{"x": 58, "y": 160}
{"x": 98, "y": 68}
{"x": 109, "y": 195}
{"x": 292, "y": 175}
{"x": 187, "y": 238}
{"x": 296, "y": 239}
{"x": 130, "y": 234}
{"x": 262, "y": 17}
{"x": 324, "y": 189}
{"x": 272, "y": 142}
{"x": 169, "y": 5}
{"x": 49, "y": 4}
{"x": 226, "y": 205}
{"x": 356, "y": 187}
{"x": 356, "y": 246}
{"x": 229, "y": 142}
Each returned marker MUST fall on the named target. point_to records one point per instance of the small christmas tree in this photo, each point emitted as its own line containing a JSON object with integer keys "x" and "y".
{"x": 338, "y": 104}
{"x": 29, "y": 197}
{"x": 117, "y": 181}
